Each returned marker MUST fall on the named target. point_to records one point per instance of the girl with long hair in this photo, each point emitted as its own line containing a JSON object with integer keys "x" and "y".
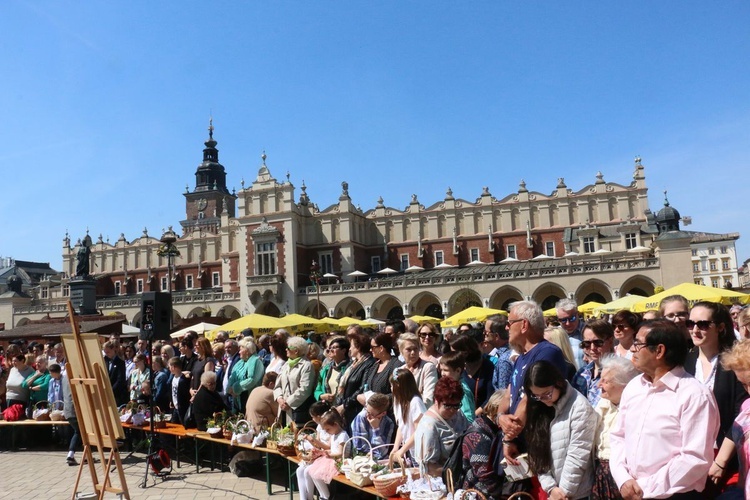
{"x": 408, "y": 409}
{"x": 560, "y": 431}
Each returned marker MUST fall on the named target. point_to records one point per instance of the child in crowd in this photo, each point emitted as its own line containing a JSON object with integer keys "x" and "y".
{"x": 323, "y": 469}
{"x": 408, "y": 409}
{"x": 452, "y": 366}
{"x": 306, "y": 485}
{"x": 374, "y": 424}
{"x": 180, "y": 390}
{"x": 54, "y": 390}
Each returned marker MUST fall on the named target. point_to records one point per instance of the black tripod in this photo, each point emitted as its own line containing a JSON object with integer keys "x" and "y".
{"x": 156, "y": 459}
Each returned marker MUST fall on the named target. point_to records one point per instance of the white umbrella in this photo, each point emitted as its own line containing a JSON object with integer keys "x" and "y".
{"x": 476, "y": 263}
{"x": 356, "y": 274}
{"x": 387, "y": 270}
{"x": 330, "y": 275}
{"x": 639, "y": 249}
{"x": 542, "y": 257}
{"x": 571, "y": 254}
{"x": 508, "y": 260}
{"x": 200, "y": 329}
{"x": 602, "y": 251}
{"x": 413, "y": 269}
{"x": 444, "y": 265}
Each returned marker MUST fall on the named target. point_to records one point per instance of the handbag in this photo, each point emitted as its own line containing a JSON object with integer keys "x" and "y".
{"x": 189, "y": 421}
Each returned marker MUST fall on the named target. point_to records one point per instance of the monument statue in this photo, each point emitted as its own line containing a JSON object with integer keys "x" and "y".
{"x": 84, "y": 254}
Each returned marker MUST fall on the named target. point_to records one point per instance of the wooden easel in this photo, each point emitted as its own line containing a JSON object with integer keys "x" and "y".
{"x": 96, "y": 410}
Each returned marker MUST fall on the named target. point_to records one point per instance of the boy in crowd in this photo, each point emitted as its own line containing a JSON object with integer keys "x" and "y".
{"x": 374, "y": 424}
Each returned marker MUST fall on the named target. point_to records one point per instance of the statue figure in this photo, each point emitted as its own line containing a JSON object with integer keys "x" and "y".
{"x": 84, "y": 253}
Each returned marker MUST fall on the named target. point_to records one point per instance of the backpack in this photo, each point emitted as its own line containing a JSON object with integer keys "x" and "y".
{"x": 455, "y": 462}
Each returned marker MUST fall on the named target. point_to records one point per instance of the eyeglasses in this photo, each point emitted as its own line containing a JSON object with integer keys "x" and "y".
{"x": 637, "y": 346}
{"x": 511, "y": 321}
{"x": 543, "y": 397}
{"x": 373, "y": 346}
{"x": 427, "y": 335}
{"x": 680, "y": 315}
{"x": 452, "y": 406}
{"x": 621, "y": 327}
{"x": 572, "y": 319}
{"x": 585, "y": 344}
{"x": 703, "y": 324}
{"x": 374, "y": 415}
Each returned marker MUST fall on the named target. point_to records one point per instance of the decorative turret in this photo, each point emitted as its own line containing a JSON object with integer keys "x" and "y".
{"x": 668, "y": 218}
{"x": 210, "y": 174}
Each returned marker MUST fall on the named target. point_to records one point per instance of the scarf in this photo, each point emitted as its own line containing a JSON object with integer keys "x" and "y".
{"x": 293, "y": 362}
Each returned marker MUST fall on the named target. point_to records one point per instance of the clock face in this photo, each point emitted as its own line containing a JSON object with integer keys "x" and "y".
{"x": 201, "y": 204}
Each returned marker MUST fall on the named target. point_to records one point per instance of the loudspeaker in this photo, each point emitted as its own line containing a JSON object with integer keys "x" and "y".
{"x": 156, "y": 316}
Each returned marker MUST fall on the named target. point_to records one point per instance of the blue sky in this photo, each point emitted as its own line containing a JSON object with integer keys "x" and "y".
{"x": 105, "y": 105}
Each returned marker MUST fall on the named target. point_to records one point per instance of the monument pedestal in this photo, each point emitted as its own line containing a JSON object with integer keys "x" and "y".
{"x": 83, "y": 295}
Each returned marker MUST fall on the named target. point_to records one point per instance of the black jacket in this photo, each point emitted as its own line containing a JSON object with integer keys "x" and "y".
{"x": 183, "y": 397}
{"x": 205, "y": 404}
{"x": 116, "y": 372}
{"x": 354, "y": 386}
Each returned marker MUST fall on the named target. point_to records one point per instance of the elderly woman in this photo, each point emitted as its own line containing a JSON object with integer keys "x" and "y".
{"x": 617, "y": 371}
{"x": 429, "y": 337}
{"x": 440, "y": 426}
{"x": 16, "y": 392}
{"x": 38, "y": 382}
{"x": 247, "y": 374}
{"x": 737, "y": 359}
{"x": 138, "y": 376}
{"x": 425, "y": 373}
{"x": 625, "y": 324}
{"x": 476, "y": 449}
{"x": 294, "y": 387}
{"x": 207, "y": 400}
{"x": 598, "y": 343}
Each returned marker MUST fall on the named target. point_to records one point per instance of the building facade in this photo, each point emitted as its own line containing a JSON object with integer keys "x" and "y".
{"x": 264, "y": 249}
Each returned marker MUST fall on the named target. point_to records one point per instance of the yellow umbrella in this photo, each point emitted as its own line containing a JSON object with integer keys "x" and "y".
{"x": 346, "y": 321}
{"x": 425, "y": 319}
{"x": 297, "y": 323}
{"x": 472, "y": 314}
{"x": 693, "y": 293}
{"x": 625, "y": 303}
{"x": 260, "y": 324}
{"x": 550, "y": 313}
{"x": 588, "y": 307}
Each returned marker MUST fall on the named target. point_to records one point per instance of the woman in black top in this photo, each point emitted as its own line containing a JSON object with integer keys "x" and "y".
{"x": 207, "y": 401}
{"x": 377, "y": 379}
{"x": 352, "y": 381}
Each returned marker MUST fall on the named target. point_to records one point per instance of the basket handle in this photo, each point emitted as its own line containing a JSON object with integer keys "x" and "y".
{"x": 449, "y": 480}
{"x": 240, "y": 422}
{"x": 343, "y": 450}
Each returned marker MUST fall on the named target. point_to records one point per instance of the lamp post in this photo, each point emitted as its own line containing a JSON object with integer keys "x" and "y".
{"x": 315, "y": 278}
{"x": 169, "y": 250}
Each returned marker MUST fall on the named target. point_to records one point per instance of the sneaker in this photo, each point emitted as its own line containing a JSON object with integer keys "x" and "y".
{"x": 71, "y": 461}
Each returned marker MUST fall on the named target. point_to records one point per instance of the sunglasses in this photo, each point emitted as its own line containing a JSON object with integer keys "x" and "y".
{"x": 452, "y": 406}
{"x": 621, "y": 327}
{"x": 572, "y": 319}
{"x": 427, "y": 335}
{"x": 585, "y": 344}
{"x": 703, "y": 324}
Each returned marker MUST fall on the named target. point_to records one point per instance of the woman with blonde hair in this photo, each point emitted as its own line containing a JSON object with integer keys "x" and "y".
{"x": 425, "y": 373}
{"x": 559, "y": 337}
{"x": 296, "y": 383}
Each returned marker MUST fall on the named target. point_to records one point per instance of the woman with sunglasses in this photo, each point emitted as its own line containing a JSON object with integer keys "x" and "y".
{"x": 597, "y": 343}
{"x": 440, "y": 426}
{"x": 377, "y": 378}
{"x": 625, "y": 322}
{"x": 560, "y": 431}
{"x": 712, "y": 333}
{"x": 428, "y": 342}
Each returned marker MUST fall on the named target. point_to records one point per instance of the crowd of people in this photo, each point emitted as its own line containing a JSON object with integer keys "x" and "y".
{"x": 622, "y": 407}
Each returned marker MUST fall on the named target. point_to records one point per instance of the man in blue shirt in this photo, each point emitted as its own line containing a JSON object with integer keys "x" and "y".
{"x": 572, "y": 322}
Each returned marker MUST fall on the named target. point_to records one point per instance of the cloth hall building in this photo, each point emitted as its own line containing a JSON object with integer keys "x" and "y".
{"x": 270, "y": 249}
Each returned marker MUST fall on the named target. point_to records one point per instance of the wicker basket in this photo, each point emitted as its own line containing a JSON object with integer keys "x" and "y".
{"x": 160, "y": 422}
{"x": 300, "y": 438}
{"x": 271, "y": 442}
{"x": 478, "y": 494}
{"x": 286, "y": 450}
{"x": 359, "y": 478}
{"x": 41, "y": 414}
{"x": 520, "y": 494}
{"x": 215, "y": 432}
{"x": 387, "y": 483}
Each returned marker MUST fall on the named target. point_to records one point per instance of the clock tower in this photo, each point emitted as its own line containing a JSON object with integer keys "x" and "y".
{"x": 204, "y": 205}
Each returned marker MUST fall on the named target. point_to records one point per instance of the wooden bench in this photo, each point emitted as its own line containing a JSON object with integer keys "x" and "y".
{"x": 27, "y": 424}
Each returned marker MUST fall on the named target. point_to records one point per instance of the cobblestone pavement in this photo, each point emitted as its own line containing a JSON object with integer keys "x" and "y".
{"x": 44, "y": 474}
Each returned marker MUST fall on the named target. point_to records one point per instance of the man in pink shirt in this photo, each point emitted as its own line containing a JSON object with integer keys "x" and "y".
{"x": 663, "y": 441}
